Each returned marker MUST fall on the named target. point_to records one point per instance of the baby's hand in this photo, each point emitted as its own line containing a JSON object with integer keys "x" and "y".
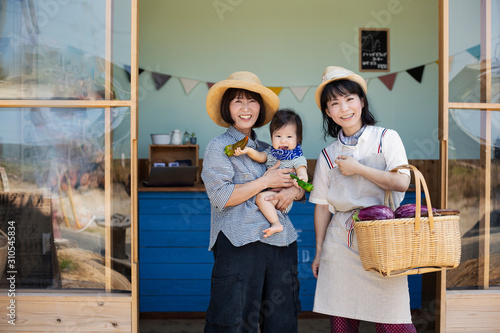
{"x": 240, "y": 151}
{"x": 305, "y": 179}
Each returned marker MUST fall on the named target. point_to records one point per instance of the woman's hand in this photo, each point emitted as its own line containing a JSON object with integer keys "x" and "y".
{"x": 347, "y": 165}
{"x": 275, "y": 177}
{"x": 285, "y": 197}
{"x": 315, "y": 266}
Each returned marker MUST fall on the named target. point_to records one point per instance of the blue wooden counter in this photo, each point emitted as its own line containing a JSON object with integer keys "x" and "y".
{"x": 174, "y": 262}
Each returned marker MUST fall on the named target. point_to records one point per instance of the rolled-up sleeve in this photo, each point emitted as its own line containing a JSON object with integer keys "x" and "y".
{"x": 217, "y": 175}
{"x": 321, "y": 182}
{"x": 394, "y": 151}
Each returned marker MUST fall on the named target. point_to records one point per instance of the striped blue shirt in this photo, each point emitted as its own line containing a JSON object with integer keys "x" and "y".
{"x": 242, "y": 224}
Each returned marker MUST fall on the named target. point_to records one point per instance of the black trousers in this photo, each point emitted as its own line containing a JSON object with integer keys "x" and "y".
{"x": 253, "y": 284}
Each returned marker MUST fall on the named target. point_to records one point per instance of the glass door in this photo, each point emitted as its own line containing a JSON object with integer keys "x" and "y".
{"x": 470, "y": 156}
{"x": 68, "y": 152}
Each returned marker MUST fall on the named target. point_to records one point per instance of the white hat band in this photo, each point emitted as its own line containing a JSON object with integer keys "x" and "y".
{"x": 336, "y": 74}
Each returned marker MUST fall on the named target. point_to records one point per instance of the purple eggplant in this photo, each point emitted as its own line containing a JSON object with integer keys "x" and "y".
{"x": 376, "y": 212}
{"x": 408, "y": 210}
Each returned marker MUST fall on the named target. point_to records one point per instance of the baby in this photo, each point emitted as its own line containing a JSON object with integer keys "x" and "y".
{"x": 286, "y": 136}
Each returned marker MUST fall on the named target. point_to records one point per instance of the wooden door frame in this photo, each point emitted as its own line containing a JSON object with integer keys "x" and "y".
{"x": 460, "y": 298}
{"x": 46, "y": 310}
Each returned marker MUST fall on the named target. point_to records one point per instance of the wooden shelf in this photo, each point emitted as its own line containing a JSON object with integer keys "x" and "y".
{"x": 171, "y": 153}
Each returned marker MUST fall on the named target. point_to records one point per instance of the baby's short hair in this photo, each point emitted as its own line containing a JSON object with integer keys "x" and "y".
{"x": 283, "y": 117}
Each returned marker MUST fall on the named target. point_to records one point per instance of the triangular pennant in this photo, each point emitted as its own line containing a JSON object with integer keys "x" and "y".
{"x": 475, "y": 51}
{"x": 437, "y": 62}
{"x": 210, "y": 84}
{"x": 299, "y": 92}
{"x": 127, "y": 71}
{"x": 276, "y": 90}
{"x": 388, "y": 80}
{"x": 188, "y": 84}
{"x": 160, "y": 79}
{"x": 416, "y": 73}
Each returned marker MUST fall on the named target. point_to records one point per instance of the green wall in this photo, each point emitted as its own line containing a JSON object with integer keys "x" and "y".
{"x": 286, "y": 43}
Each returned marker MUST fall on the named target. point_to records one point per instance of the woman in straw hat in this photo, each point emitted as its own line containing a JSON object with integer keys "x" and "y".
{"x": 352, "y": 173}
{"x": 254, "y": 279}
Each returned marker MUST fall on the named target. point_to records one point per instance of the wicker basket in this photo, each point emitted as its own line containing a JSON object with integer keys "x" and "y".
{"x": 407, "y": 246}
{"x": 3, "y": 252}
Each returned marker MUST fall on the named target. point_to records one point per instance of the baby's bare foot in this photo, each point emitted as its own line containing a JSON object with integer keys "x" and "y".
{"x": 275, "y": 227}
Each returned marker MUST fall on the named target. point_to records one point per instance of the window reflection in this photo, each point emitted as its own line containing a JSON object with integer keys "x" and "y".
{"x": 57, "y": 49}
{"x": 465, "y": 51}
{"x": 466, "y": 184}
{"x": 54, "y": 191}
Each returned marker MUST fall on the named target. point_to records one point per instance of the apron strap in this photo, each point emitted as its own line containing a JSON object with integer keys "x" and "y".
{"x": 349, "y": 226}
{"x": 380, "y": 143}
{"x": 328, "y": 159}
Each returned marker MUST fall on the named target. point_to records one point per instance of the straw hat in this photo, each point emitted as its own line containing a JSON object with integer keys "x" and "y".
{"x": 240, "y": 80}
{"x": 334, "y": 73}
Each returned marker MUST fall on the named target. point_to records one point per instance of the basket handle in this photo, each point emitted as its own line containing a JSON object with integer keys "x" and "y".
{"x": 419, "y": 183}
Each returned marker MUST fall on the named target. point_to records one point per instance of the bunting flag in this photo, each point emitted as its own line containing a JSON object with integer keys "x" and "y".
{"x": 299, "y": 92}
{"x": 416, "y": 73}
{"x": 388, "y": 80}
{"x": 188, "y": 84}
{"x": 475, "y": 51}
{"x": 160, "y": 79}
{"x": 450, "y": 63}
{"x": 276, "y": 90}
{"x": 128, "y": 70}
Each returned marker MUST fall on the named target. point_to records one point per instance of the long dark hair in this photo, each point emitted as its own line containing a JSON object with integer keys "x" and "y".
{"x": 230, "y": 94}
{"x": 343, "y": 88}
{"x": 284, "y": 117}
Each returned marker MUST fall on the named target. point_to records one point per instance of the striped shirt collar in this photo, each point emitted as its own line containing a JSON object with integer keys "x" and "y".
{"x": 351, "y": 140}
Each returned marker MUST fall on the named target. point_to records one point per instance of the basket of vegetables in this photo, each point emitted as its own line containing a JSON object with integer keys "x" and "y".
{"x": 412, "y": 239}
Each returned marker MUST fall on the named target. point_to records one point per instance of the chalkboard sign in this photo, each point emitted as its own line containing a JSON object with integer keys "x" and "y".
{"x": 374, "y": 50}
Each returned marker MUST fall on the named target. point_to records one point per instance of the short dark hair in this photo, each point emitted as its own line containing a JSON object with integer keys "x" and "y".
{"x": 283, "y": 117}
{"x": 343, "y": 88}
{"x": 232, "y": 93}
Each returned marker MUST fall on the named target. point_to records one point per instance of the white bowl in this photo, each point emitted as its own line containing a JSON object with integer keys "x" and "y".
{"x": 160, "y": 139}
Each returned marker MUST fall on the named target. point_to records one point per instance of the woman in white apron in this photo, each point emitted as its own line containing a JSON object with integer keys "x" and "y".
{"x": 352, "y": 173}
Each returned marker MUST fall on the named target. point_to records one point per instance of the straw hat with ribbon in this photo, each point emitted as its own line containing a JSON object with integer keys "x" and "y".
{"x": 334, "y": 73}
{"x": 240, "y": 80}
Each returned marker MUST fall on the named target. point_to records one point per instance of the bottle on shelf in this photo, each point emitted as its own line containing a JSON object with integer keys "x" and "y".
{"x": 185, "y": 139}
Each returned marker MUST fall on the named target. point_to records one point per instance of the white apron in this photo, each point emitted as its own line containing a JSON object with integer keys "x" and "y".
{"x": 343, "y": 287}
